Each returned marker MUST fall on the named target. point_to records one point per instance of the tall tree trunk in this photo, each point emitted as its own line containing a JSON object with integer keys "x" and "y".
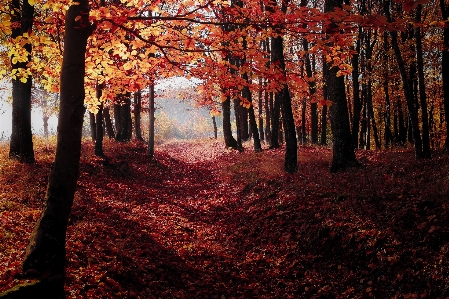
{"x": 243, "y": 123}
{"x": 275, "y": 115}
{"x": 21, "y": 143}
{"x": 407, "y": 89}
{"x": 363, "y": 128}
{"x": 312, "y": 91}
{"x": 303, "y": 138}
{"x": 214, "y": 123}
{"x": 108, "y": 122}
{"x": 237, "y": 115}
{"x": 343, "y": 150}
{"x": 402, "y": 126}
{"x": 227, "y": 130}
{"x": 150, "y": 150}
{"x": 323, "y": 139}
{"x": 267, "y": 115}
{"x": 374, "y": 125}
{"x": 246, "y": 93}
{"x": 93, "y": 126}
{"x": 123, "y": 119}
{"x": 260, "y": 109}
{"x": 445, "y": 70}
{"x": 422, "y": 89}
{"x": 45, "y": 254}
{"x": 284, "y": 99}
{"x": 388, "y": 134}
{"x": 99, "y": 134}
{"x": 137, "y": 108}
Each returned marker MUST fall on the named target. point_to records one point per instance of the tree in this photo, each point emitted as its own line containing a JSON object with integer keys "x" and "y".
{"x": 45, "y": 254}
{"x": 283, "y": 98}
{"x": 421, "y": 84}
{"x": 21, "y": 144}
{"x": 445, "y": 68}
{"x": 407, "y": 88}
{"x": 151, "y": 110}
{"x": 342, "y": 148}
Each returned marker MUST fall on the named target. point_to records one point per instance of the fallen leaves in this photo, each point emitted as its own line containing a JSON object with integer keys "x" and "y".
{"x": 203, "y": 221}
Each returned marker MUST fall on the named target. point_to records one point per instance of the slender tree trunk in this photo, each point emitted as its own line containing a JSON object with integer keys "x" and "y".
{"x": 99, "y": 132}
{"x": 227, "y": 130}
{"x": 422, "y": 90}
{"x": 356, "y": 91}
{"x": 323, "y": 139}
{"x": 214, "y": 123}
{"x": 388, "y": 134}
{"x": 275, "y": 115}
{"x": 445, "y": 70}
{"x": 151, "y": 110}
{"x": 238, "y": 123}
{"x": 395, "y": 126}
{"x": 402, "y": 126}
{"x": 408, "y": 93}
{"x": 343, "y": 150}
{"x": 93, "y": 126}
{"x": 312, "y": 91}
{"x": 108, "y": 122}
{"x": 246, "y": 93}
{"x": 267, "y": 115}
{"x": 21, "y": 143}
{"x": 374, "y": 125}
{"x": 363, "y": 128}
{"x": 284, "y": 99}
{"x": 99, "y": 127}
{"x": 45, "y": 254}
{"x": 260, "y": 109}
{"x": 303, "y": 122}
{"x": 137, "y": 109}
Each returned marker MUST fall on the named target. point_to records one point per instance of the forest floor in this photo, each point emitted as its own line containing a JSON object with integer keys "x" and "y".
{"x": 204, "y": 222}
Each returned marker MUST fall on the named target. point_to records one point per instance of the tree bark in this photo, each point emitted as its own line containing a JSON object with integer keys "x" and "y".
{"x": 259, "y": 110}
{"x": 422, "y": 90}
{"x": 151, "y": 110}
{"x": 323, "y": 139}
{"x": 227, "y": 130}
{"x": 343, "y": 150}
{"x": 93, "y": 126}
{"x": 45, "y": 254}
{"x": 108, "y": 122}
{"x": 388, "y": 134}
{"x": 123, "y": 119}
{"x": 137, "y": 108}
{"x": 445, "y": 70}
{"x": 283, "y": 99}
{"x": 407, "y": 89}
{"x": 21, "y": 143}
{"x": 214, "y": 123}
{"x": 312, "y": 91}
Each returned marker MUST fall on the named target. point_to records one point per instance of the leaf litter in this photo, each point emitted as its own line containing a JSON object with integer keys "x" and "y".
{"x": 204, "y": 221}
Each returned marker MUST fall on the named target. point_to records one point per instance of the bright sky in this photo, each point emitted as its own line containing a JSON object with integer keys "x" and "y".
{"x": 37, "y": 124}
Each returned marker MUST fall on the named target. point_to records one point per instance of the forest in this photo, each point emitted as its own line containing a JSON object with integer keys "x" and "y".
{"x": 328, "y": 176}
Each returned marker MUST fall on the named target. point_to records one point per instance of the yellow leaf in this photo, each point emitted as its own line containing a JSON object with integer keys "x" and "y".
{"x": 32, "y": 2}
{"x": 23, "y": 80}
